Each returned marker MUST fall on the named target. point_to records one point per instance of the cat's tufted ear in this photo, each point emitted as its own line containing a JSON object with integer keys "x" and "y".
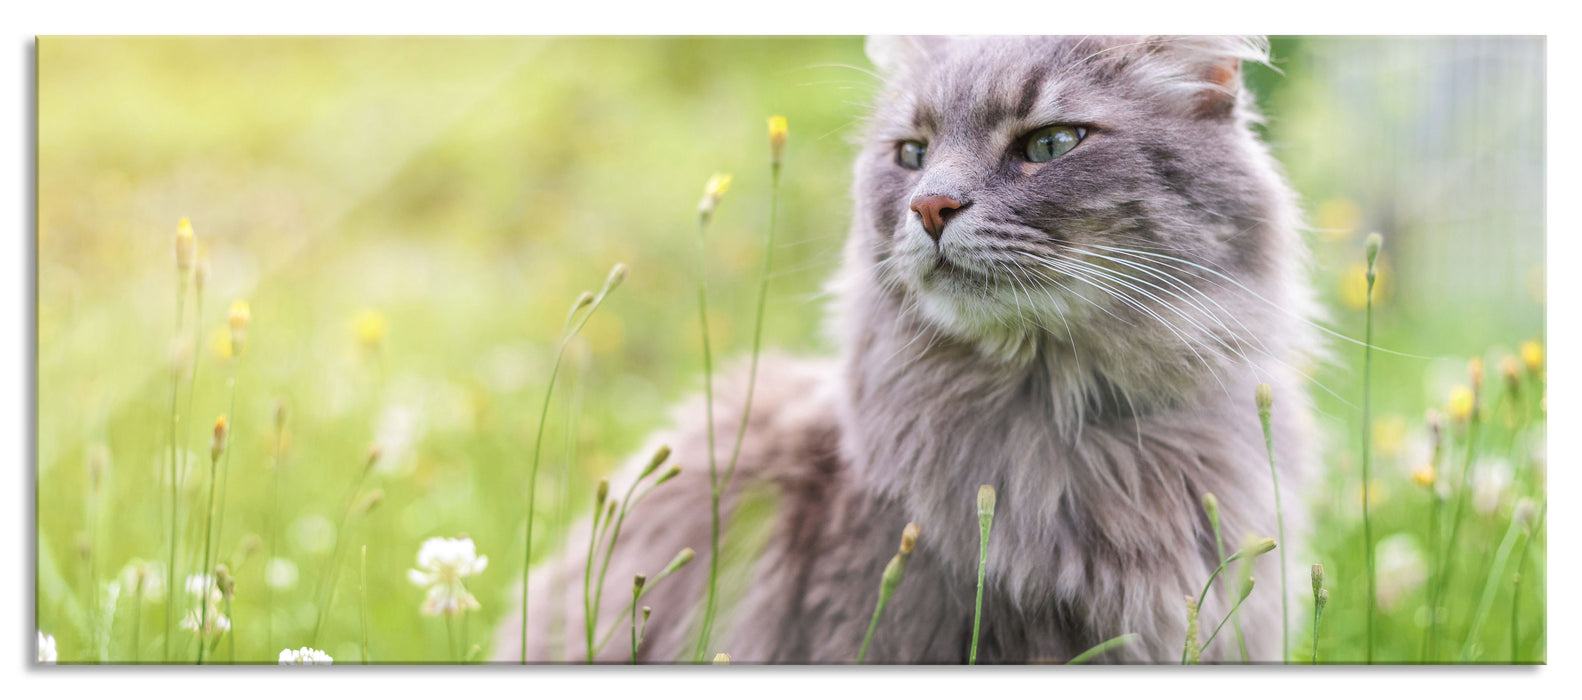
{"x": 1203, "y": 73}
{"x": 895, "y": 55}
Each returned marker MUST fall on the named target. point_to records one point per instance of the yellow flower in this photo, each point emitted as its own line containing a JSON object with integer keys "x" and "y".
{"x": 1389, "y": 433}
{"x": 1533, "y": 355}
{"x": 240, "y": 316}
{"x": 1337, "y": 218}
{"x": 1423, "y": 476}
{"x": 370, "y": 327}
{"x": 1460, "y": 404}
{"x": 777, "y": 139}
{"x": 713, "y": 191}
{"x": 186, "y": 245}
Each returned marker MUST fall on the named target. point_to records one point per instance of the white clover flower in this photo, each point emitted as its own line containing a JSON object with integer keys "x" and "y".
{"x": 442, "y": 564}
{"x": 46, "y": 649}
{"x": 149, "y": 575}
{"x": 1490, "y": 481}
{"x": 280, "y": 574}
{"x": 304, "y": 657}
{"x": 207, "y": 620}
{"x": 216, "y": 624}
{"x": 1401, "y": 568}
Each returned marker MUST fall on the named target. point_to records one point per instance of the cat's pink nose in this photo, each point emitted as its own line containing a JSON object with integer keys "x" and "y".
{"x": 934, "y": 209}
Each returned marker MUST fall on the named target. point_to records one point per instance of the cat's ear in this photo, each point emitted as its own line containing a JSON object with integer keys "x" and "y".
{"x": 895, "y": 55}
{"x": 1203, "y": 73}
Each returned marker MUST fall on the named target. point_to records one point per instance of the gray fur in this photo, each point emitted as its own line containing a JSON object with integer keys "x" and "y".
{"x": 1101, "y": 395}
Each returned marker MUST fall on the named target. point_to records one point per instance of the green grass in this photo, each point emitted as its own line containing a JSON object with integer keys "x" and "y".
{"x": 464, "y": 194}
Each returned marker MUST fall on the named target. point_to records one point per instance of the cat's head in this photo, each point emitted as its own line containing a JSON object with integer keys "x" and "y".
{"x": 1103, "y": 189}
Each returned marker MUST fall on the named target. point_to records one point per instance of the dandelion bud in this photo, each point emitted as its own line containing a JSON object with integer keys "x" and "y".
{"x": 669, "y": 474}
{"x": 98, "y": 464}
{"x": 985, "y": 501}
{"x": 217, "y": 446}
{"x": 1511, "y": 370}
{"x": 778, "y": 132}
{"x": 609, "y": 512}
{"x": 223, "y": 581}
{"x": 1318, "y": 578}
{"x": 239, "y": 317}
{"x": 1532, "y": 356}
{"x": 1526, "y": 512}
{"x": 637, "y": 584}
{"x": 1374, "y": 242}
{"x": 249, "y": 545}
{"x": 722, "y": 659}
{"x": 660, "y": 455}
{"x": 1265, "y": 397}
{"x": 602, "y": 493}
{"x": 186, "y": 245}
{"x": 1423, "y": 476}
{"x": 1211, "y": 507}
{"x": 1246, "y": 588}
{"x": 616, "y": 277}
{"x": 646, "y": 612}
{"x": 1256, "y": 548}
{"x": 1320, "y": 600}
{"x": 370, "y": 327}
{"x": 909, "y": 538}
{"x": 375, "y": 451}
{"x": 681, "y": 559}
{"x": 713, "y": 191}
{"x": 1461, "y": 403}
{"x": 281, "y": 412}
{"x": 582, "y": 302}
{"x": 368, "y": 502}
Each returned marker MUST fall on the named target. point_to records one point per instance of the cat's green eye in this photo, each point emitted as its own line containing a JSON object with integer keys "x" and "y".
{"x": 910, "y": 154}
{"x": 1051, "y": 142}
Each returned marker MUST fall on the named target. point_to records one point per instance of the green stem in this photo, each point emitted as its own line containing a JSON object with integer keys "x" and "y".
{"x": 1367, "y": 444}
{"x": 1221, "y": 624}
{"x": 1279, "y": 516}
{"x": 175, "y": 498}
{"x": 1448, "y": 566}
{"x": 362, "y": 591}
{"x": 986, "y": 499}
{"x": 573, "y": 326}
{"x": 1490, "y": 586}
{"x": 208, "y": 533}
{"x": 1102, "y": 647}
{"x": 1516, "y": 584}
{"x": 706, "y": 629}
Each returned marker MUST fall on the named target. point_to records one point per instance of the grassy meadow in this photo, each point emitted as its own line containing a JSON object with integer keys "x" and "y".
{"x": 389, "y": 233}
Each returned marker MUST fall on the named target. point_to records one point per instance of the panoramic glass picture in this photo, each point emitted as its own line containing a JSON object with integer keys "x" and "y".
{"x": 792, "y": 350}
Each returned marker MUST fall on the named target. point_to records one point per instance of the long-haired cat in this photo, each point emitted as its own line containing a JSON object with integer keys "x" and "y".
{"x": 1070, "y": 264}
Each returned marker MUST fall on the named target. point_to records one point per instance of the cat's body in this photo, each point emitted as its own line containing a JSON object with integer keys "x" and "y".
{"x": 992, "y": 345}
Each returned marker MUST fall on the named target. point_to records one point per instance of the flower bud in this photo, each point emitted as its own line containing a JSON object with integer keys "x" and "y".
{"x": 217, "y": 445}
{"x": 239, "y": 317}
{"x": 681, "y": 559}
{"x": 909, "y": 538}
{"x": 1532, "y": 356}
{"x": 638, "y": 582}
{"x": 1265, "y": 397}
{"x": 1211, "y": 507}
{"x": 985, "y": 501}
{"x": 722, "y": 659}
{"x": 1256, "y": 548}
{"x": 713, "y": 191}
{"x": 660, "y": 455}
{"x": 778, "y": 132}
{"x": 186, "y": 245}
{"x": 616, "y": 277}
{"x": 1374, "y": 242}
{"x": 1318, "y": 578}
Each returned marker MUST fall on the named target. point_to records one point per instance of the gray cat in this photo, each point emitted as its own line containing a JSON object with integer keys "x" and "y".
{"x": 1071, "y": 263}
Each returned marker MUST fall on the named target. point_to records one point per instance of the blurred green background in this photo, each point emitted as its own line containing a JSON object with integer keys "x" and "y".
{"x": 409, "y": 220}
